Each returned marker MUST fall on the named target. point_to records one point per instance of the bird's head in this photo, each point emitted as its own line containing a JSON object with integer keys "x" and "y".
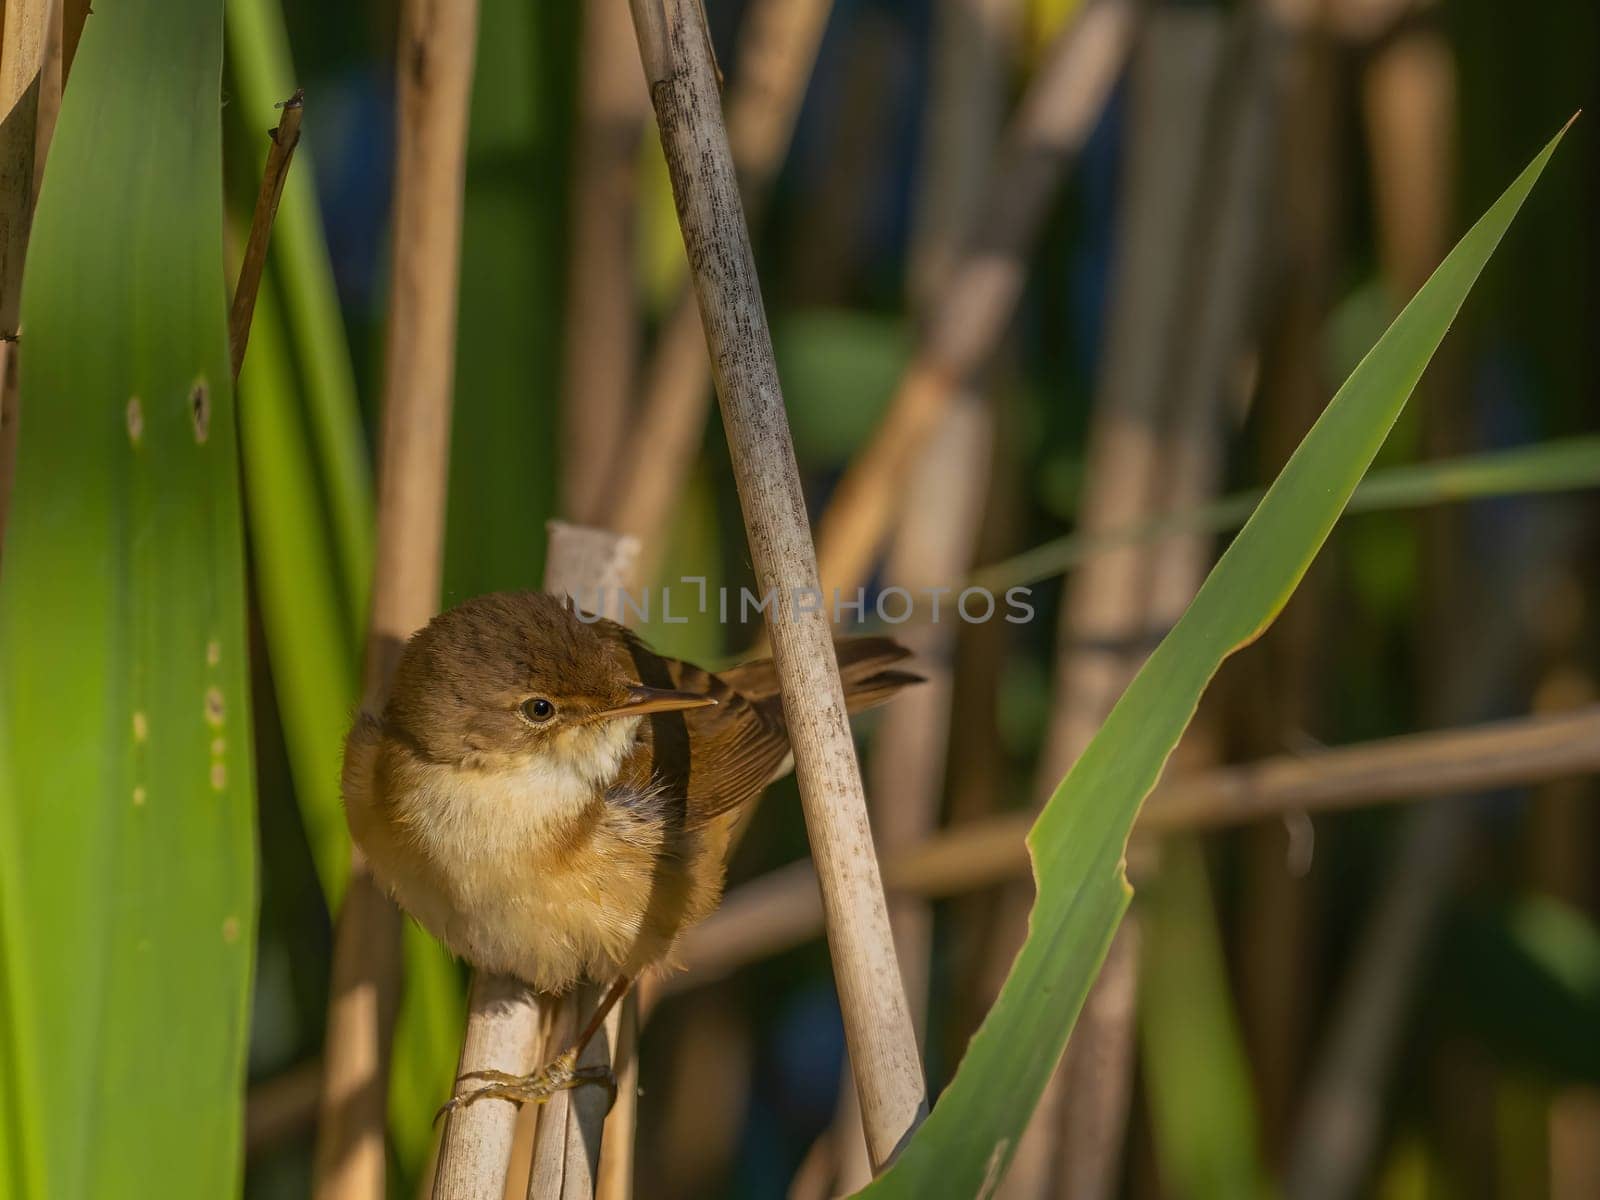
{"x": 506, "y": 677}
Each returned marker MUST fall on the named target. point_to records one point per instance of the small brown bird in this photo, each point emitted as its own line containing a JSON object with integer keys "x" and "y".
{"x": 554, "y": 801}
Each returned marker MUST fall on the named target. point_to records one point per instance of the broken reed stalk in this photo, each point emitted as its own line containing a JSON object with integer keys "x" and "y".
{"x": 780, "y": 910}
{"x": 675, "y": 46}
{"x": 778, "y": 43}
{"x": 281, "y": 153}
{"x": 436, "y": 46}
{"x": 602, "y": 319}
{"x": 1055, "y": 117}
{"x": 504, "y": 1017}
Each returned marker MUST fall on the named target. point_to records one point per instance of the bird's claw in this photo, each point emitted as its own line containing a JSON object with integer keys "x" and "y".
{"x": 558, "y": 1075}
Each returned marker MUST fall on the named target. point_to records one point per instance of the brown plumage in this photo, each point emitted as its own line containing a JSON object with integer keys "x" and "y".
{"x": 575, "y": 843}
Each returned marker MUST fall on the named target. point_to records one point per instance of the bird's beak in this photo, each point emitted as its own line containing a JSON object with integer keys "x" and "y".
{"x": 643, "y": 700}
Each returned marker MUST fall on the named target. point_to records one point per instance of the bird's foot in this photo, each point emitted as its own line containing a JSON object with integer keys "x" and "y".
{"x": 558, "y": 1075}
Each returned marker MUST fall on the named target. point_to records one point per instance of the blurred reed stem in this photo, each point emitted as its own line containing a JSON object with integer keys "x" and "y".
{"x": 601, "y": 319}
{"x": 674, "y": 44}
{"x": 1053, "y": 120}
{"x": 434, "y": 78}
{"x": 778, "y": 43}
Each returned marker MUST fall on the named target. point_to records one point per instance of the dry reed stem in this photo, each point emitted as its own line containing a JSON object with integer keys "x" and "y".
{"x": 675, "y": 47}
{"x": 602, "y": 320}
{"x": 436, "y": 45}
{"x": 503, "y": 1028}
{"x": 52, "y": 77}
{"x": 781, "y": 909}
{"x": 503, "y": 1024}
{"x": 23, "y": 43}
{"x": 1053, "y": 120}
{"x": 777, "y": 50}
{"x": 284, "y": 140}
{"x": 568, "y": 1139}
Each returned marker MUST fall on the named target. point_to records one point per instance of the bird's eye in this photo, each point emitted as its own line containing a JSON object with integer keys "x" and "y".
{"x": 538, "y": 710}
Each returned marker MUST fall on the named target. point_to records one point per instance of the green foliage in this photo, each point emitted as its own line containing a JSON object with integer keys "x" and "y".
{"x": 1077, "y": 845}
{"x": 127, "y": 859}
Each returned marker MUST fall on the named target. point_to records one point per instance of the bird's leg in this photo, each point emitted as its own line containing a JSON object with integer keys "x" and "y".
{"x": 559, "y": 1074}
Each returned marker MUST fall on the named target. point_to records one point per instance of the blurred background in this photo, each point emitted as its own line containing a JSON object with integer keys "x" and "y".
{"x": 1200, "y": 215}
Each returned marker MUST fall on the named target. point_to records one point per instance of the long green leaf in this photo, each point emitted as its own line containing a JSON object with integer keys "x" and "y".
{"x": 127, "y": 865}
{"x": 1077, "y": 844}
{"x": 310, "y": 643}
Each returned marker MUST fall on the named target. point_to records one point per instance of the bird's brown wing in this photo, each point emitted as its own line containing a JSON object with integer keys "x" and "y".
{"x": 739, "y": 745}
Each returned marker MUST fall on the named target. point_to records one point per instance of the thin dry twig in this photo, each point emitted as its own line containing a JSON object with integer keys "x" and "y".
{"x": 778, "y": 44}
{"x": 781, "y": 909}
{"x": 675, "y": 47}
{"x": 436, "y": 46}
{"x": 284, "y": 140}
{"x": 1053, "y": 121}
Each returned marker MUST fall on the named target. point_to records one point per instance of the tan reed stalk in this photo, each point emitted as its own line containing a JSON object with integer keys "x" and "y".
{"x": 675, "y": 46}
{"x": 602, "y": 318}
{"x": 436, "y": 47}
